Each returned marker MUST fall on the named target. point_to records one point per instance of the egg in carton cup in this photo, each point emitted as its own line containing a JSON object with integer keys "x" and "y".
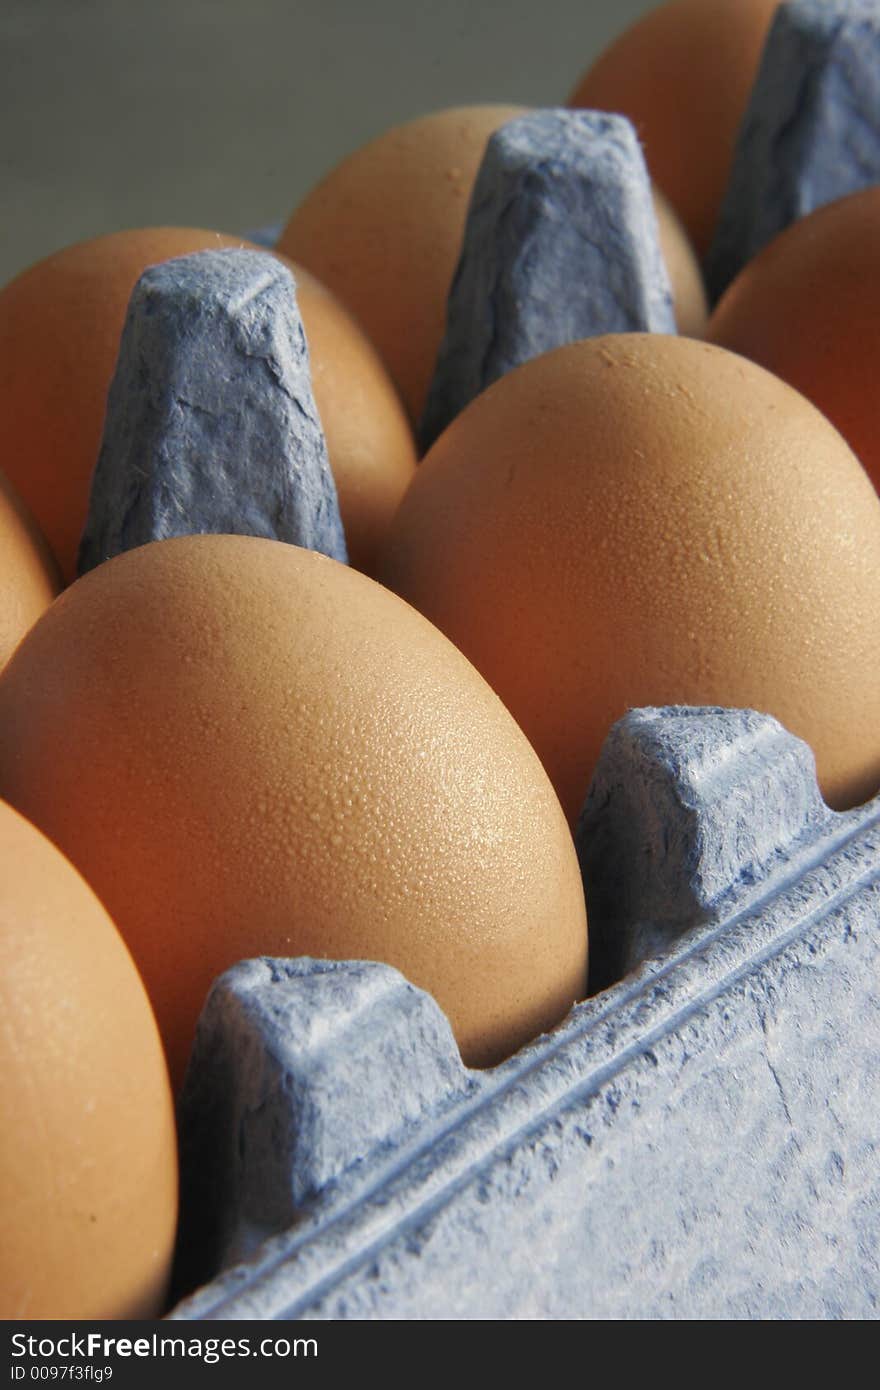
{"x": 675, "y": 1147}
{"x": 697, "y": 1137}
{"x": 697, "y": 1140}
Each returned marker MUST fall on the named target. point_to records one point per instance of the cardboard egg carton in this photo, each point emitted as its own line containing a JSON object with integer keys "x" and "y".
{"x": 699, "y": 1139}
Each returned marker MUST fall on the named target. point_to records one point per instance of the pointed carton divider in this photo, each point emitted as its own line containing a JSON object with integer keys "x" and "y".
{"x": 811, "y": 132}
{"x": 211, "y": 423}
{"x": 561, "y": 243}
{"x": 301, "y": 1069}
{"x": 687, "y": 806}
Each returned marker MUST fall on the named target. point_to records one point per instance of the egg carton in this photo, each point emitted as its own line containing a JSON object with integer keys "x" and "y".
{"x": 698, "y": 1139}
{"x": 560, "y": 243}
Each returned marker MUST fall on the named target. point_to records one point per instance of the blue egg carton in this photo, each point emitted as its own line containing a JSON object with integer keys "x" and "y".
{"x": 698, "y": 1139}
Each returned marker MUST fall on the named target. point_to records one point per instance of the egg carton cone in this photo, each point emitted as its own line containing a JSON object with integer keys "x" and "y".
{"x": 560, "y": 243}
{"x": 267, "y": 235}
{"x": 211, "y": 424}
{"x": 811, "y": 132}
{"x": 698, "y": 1139}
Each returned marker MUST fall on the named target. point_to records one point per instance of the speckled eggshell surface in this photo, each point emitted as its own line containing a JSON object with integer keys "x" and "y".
{"x": 643, "y": 519}
{"x": 249, "y": 749}
{"x": 88, "y": 1153}
{"x": 807, "y": 308}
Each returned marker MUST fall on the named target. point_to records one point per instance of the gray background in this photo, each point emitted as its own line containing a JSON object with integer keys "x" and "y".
{"x": 223, "y": 113}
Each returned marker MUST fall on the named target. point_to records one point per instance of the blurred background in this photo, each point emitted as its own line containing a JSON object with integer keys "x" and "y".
{"x": 223, "y": 113}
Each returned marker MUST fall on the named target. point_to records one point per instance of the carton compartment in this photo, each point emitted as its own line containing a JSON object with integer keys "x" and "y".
{"x": 698, "y": 1139}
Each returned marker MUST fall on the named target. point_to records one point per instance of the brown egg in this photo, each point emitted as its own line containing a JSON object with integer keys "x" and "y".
{"x": 683, "y": 74}
{"x": 250, "y": 749}
{"x": 807, "y": 308}
{"x": 60, "y": 325}
{"x": 88, "y": 1155}
{"x": 28, "y": 575}
{"x": 685, "y": 277}
{"x": 384, "y": 229}
{"x": 370, "y": 442}
{"x": 649, "y": 520}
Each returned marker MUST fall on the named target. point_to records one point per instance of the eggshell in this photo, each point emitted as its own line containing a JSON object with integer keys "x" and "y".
{"x": 383, "y": 231}
{"x": 807, "y": 308}
{"x": 250, "y": 749}
{"x": 649, "y": 520}
{"x": 28, "y": 576}
{"x": 88, "y": 1157}
{"x": 370, "y": 442}
{"x": 683, "y": 74}
{"x": 60, "y": 325}
{"x": 685, "y": 277}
